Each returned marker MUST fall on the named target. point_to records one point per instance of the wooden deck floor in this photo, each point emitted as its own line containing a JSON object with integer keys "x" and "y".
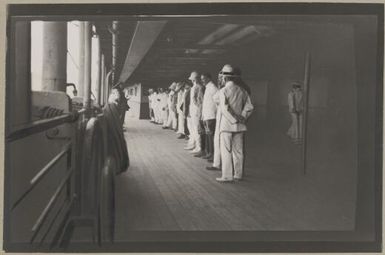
{"x": 166, "y": 188}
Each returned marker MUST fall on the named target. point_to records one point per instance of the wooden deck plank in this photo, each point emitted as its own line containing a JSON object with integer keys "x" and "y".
{"x": 166, "y": 188}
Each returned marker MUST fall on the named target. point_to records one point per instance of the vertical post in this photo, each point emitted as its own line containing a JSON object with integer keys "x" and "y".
{"x": 80, "y": 86}
{"x": 115, "y": 38}
{"x": 20, "y": 91}
{"x": 69, "y": 168}
{"x": 55, "y": 56}
{"x": 98, "y": 72}
{"x": 108, "y": 85}
{"x": 306, "y": 110}
{"x": 87, "y": 65}
{"x": 102, "y": 79}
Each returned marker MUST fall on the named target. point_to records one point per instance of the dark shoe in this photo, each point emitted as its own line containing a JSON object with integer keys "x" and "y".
{"x": 181, "y": 136}
{"x": 208, "y": 156}
{"x": 199, "y": 155}
{"x": 213, "y": 168}
{"x": 186, "y": 137}
{"x": 165, "y": 127}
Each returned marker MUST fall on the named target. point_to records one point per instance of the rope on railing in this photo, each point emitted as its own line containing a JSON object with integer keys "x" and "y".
{"x": 43, "y": 125}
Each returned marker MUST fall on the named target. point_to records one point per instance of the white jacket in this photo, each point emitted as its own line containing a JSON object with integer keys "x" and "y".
{"x": 196, "y": 98}
{"x": 180, "y": 101}
{"x": 235, "y": 106}
{"x": 209, "y": 108}
{"x": 163, "y": 104}
{"x": 295, "y": 101}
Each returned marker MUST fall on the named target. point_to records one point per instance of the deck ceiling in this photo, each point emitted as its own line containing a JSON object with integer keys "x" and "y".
{"x": 184, "y": 46}
{"x": 187, "y": 44}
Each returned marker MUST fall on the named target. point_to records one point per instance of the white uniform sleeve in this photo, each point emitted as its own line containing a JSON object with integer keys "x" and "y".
{"x": 248, "y": 108}
{"x": 223, "y": 105}
{"x": 290, "y": 102}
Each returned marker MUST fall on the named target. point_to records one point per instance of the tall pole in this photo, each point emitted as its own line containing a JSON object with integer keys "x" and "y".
{"x": 55, "y": 56}
{"x": 80, "y": 85}
{"x": 102, "y": 79}
{"x": 20, "y": 96}
{"x": 115, "y": 39}
{"x": 96, "y": 67}
{"x": 306, "y": 86}
{"x": 87, "y": 65}
{"x": 98, "y": 84}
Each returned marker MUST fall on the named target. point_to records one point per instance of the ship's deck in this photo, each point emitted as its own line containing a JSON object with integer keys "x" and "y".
{"x": 166, "y": 188}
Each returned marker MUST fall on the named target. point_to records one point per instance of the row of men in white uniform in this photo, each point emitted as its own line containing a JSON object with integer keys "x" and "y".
{"x": 212, "y": 118}
{"x": 163, "y": 107}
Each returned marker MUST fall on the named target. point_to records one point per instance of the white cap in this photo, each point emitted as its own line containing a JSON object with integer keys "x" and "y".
{"x": 229, "y": 70}
{"x": 193, "y": 76}
{"x": 173, "y": 86}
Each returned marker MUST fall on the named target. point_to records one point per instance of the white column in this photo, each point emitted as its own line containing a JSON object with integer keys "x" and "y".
{"x": 54, "y": 56}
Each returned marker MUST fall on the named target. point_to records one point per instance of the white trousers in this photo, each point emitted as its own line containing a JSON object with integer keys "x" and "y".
{"x": 158, "y": 117}
{"x": 190, "y": 141}
{"x": 217, "y": 149}
{"x": 295, "y": 130}
{"x": 181, "y": 121}
{"x": 152, "y": 117}
{"x": 232, "y": 154}
{"x": 194, "y": 133}
{"x": 164, "y": 117}
{"x": 172, "y": 121}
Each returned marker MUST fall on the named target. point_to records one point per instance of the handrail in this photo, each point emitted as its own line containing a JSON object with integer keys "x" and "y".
{"x": 41, "y": 125}
{"x": 45, "y": 169}
{"x": 51, "y": 202}
{"x": 65, "y": 205}
{"x": 38, "y": 177}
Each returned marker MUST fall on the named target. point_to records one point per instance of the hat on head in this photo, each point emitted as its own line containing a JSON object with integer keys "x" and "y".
{"x": 296, "y": 84}
{"x": 179, "y": 85}
{"x": 193, "y": 76}
{"x": 229, "y": 70}
{"x": 173, "y": 86}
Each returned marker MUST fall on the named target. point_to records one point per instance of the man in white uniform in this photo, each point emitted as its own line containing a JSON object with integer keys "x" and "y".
{"x": 236, "y": 107}
{"x": 217, "y": 150}
{"x": 209, "y": 111}
{"x": 179, "y": 109}
{"x": 150, "y": 104}
{"x": 157, "y": 113}
{"x": 295, "y": 102}
{"x": 172, "y": 120}
{"x": 163, "y": 106}
{"x": 196, "y": 99}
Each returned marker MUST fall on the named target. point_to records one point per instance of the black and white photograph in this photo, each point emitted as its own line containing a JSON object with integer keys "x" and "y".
{"x": 194, "y": 127}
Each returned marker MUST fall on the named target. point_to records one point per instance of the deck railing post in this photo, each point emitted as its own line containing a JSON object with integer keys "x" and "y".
{"x": 87, "y": 67}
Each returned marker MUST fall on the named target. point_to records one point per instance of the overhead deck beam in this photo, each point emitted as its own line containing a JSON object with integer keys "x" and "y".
{"x": 145, "y": 35}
